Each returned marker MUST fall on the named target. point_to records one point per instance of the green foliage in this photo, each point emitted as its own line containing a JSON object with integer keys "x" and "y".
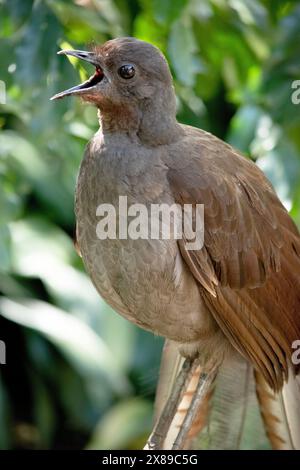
{"x": 77, "y": 374}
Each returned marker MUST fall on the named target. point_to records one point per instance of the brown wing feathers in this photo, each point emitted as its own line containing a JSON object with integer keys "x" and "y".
{"x": 249, "y": 267}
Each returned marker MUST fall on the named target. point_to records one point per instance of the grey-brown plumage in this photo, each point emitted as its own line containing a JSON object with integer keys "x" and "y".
{"x": 241, "y": 290}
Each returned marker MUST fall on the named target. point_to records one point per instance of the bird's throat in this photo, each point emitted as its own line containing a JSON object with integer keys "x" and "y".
{"x": 153, "y": 122}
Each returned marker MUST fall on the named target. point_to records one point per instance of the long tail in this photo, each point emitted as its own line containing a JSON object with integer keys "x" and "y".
{"x": 234, "y": 421}
{"x": 229, "y": 416}
{"x": 170, "y": 366}
{"x": 281, "y": 412}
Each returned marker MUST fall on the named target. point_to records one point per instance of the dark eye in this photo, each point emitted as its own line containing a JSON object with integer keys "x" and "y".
{"x": 126, "y": 71}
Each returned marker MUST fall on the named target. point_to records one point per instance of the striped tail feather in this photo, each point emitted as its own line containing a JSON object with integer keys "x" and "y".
{"x": 170, "y": 367}
{"x": 234, "y": 421}
{"x": 281, "y": 412}
{"x": 228, "y": 417}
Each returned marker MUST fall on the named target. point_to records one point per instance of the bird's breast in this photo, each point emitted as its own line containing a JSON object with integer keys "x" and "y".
{"x": 143, "y": 278}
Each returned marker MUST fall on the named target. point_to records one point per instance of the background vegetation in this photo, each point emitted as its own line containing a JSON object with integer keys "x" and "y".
{"x": 78, "y": 375}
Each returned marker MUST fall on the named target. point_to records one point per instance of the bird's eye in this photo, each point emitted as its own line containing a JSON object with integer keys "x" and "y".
{"x": 126, "y": 71}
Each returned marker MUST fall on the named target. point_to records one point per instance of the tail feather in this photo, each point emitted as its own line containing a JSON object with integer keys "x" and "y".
{"x": 280, "y": 412}
{"x": 201, "y": 417}
{"x": 171, "y": 363}
{"x": 229, "y": 416}
{"x": 234, "y": 421}
{"x": 170, "y": 366}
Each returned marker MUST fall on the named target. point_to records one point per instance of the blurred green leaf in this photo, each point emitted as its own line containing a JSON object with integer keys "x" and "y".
{"x": 36, "y": 171}
{"x": 5, "y": 259}
{"x": 123, "y": 425}
{"x": 167, "y": 11}
{"x": 82, "y": 347}
{"x": 182, "y": 50}
{"x": 243, "y": 127}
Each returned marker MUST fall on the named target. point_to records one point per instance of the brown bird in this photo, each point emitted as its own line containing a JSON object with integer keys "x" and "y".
{"x": 239, "y": 293}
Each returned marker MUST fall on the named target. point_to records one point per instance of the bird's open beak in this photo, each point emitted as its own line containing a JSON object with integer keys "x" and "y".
{"x": 86, "y": 86}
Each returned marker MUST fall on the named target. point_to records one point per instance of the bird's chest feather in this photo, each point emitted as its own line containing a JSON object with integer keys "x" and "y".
{"x": 111, "y": 181}
{"x": 144, "y": 279}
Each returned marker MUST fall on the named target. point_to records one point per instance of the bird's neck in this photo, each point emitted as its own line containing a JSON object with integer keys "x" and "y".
{"x": 153, "y": 123}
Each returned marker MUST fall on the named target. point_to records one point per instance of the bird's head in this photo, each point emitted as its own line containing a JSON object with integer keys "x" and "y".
{"x": 130, "y": 77}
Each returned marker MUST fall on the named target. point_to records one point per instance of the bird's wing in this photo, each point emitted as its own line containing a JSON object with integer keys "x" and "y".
{"x": 249, "y": 266}
{"x": 245, "y": 223}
